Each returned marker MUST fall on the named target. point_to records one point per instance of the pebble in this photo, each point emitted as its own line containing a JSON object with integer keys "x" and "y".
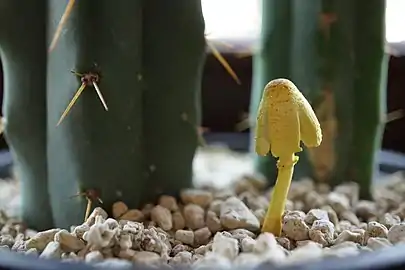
{"x": 365, "y": 210}
{"x": 225, "y": 246}
{"x": 162, "y": 217}
{"x": 215, "y": 207}
{"x": 252, "y": 183}
{"x": 194, "y": 216}
{"x": 133, "y": 215}
{"x": 343, "y": 250}
{"x": 184, "y": 236}
{"x": 213, "y": 222}
{"x": 202, "y": 236}
{"x": 389, "y": 220}
{"x": 316, "y": 214}
{"x": 41, "y": 239}
{"x": 260, "y": 215}
{"x": 375, "y": 229}
{"x": 350, "y": 190}
{"x": 68, "y": 242}
{"x": 396, "y": 233}
{"x": 147, "y": 258}
{"x": 376, "y": 243}
{"x": 322, "y": 232}
{"x": 347, "y": 235}
{"x": 351, "y": 217}
{"x": 51, "y": 251}
{"x": 235, "y": 214}
{"x": 182, "y": 258}
{"x": 339, "y": 202}
{"x": 284, "y": 242}
{"x": 309, "y": 252}
{"x": 248, "y": 244}
{"x": 118, "y": 209}
{"x": 168, "y": 202}
{"x": 248, "y": 260}
{"x": 178, "y": 221}
{"x": 7, "y": 240}
{"x": 295, "y": 227}
{"x": 195, "y": 196}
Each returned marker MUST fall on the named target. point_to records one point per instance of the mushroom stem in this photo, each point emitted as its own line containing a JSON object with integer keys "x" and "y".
{"x": 273, "y": 220}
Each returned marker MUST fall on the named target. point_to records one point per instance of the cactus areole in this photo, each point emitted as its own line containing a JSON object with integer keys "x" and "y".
{"x": 285, "y": 118}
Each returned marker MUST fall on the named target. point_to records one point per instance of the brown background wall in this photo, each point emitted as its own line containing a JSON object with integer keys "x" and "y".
{"x": 224, "y": 101}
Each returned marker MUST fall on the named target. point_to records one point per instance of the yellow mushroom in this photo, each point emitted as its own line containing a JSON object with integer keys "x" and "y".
{"x": 285, "y": 118}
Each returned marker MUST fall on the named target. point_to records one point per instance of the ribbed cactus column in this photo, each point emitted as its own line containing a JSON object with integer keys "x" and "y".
{"x": 270, "y": 62}
{"x": 335, "y": 54}
{"x": 173, "y": 57}
{"x": 305, "y": 63}
{"x": 93, "y": 148}
{"x": 338, "y": 74}
{"x": 23, "y": 53}
{"x": 371, "y": 67}
{"x": 146, "y": 57}
{"x": 356, "y": 72}
{"x": 287, "y": 49}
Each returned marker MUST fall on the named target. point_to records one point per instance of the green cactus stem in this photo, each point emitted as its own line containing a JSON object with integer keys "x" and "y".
{"x": 23, "y": 53}
{"x": 336, "y": 32}
{"x": 287, "y": 49}
{"x": 173, "y": 57}
{"x": 370, "y": 84}
{"x": 271, "y": 61}
{"x": 330, "y": 47}
{"x": 141, "y": 147}
{"x": 357, "y": 66}
{"x": 148, "y": 57}
{"x": 92, "y": 148}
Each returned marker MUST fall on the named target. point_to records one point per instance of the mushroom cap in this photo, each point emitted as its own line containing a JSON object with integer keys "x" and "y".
{"x": 285, "y": 119}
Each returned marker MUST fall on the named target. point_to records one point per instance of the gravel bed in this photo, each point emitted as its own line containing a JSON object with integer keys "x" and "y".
{"x": 220, "y": 228}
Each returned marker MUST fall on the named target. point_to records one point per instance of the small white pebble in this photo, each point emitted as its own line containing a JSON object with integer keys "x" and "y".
{"x": 247, "y": 260}
{"x": 51, "y": 251}
{"x": 308, "y": 252}
{"x": 265, "y": 242}
{"x": 347, "y": 235}
{"x": 316, "y": 214}
{"x": 248, "y": 244}
{"x": 322, "y": 232}
{"x": 68, "y": 242}
{"x": 93, "y": 257}
{"x": 338, "y": 202}
{"x": 397, "y": 233}
{"x": 376, "y": 243}
{"x": 182, "y": 258}
{"x": 225, "y": 246}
